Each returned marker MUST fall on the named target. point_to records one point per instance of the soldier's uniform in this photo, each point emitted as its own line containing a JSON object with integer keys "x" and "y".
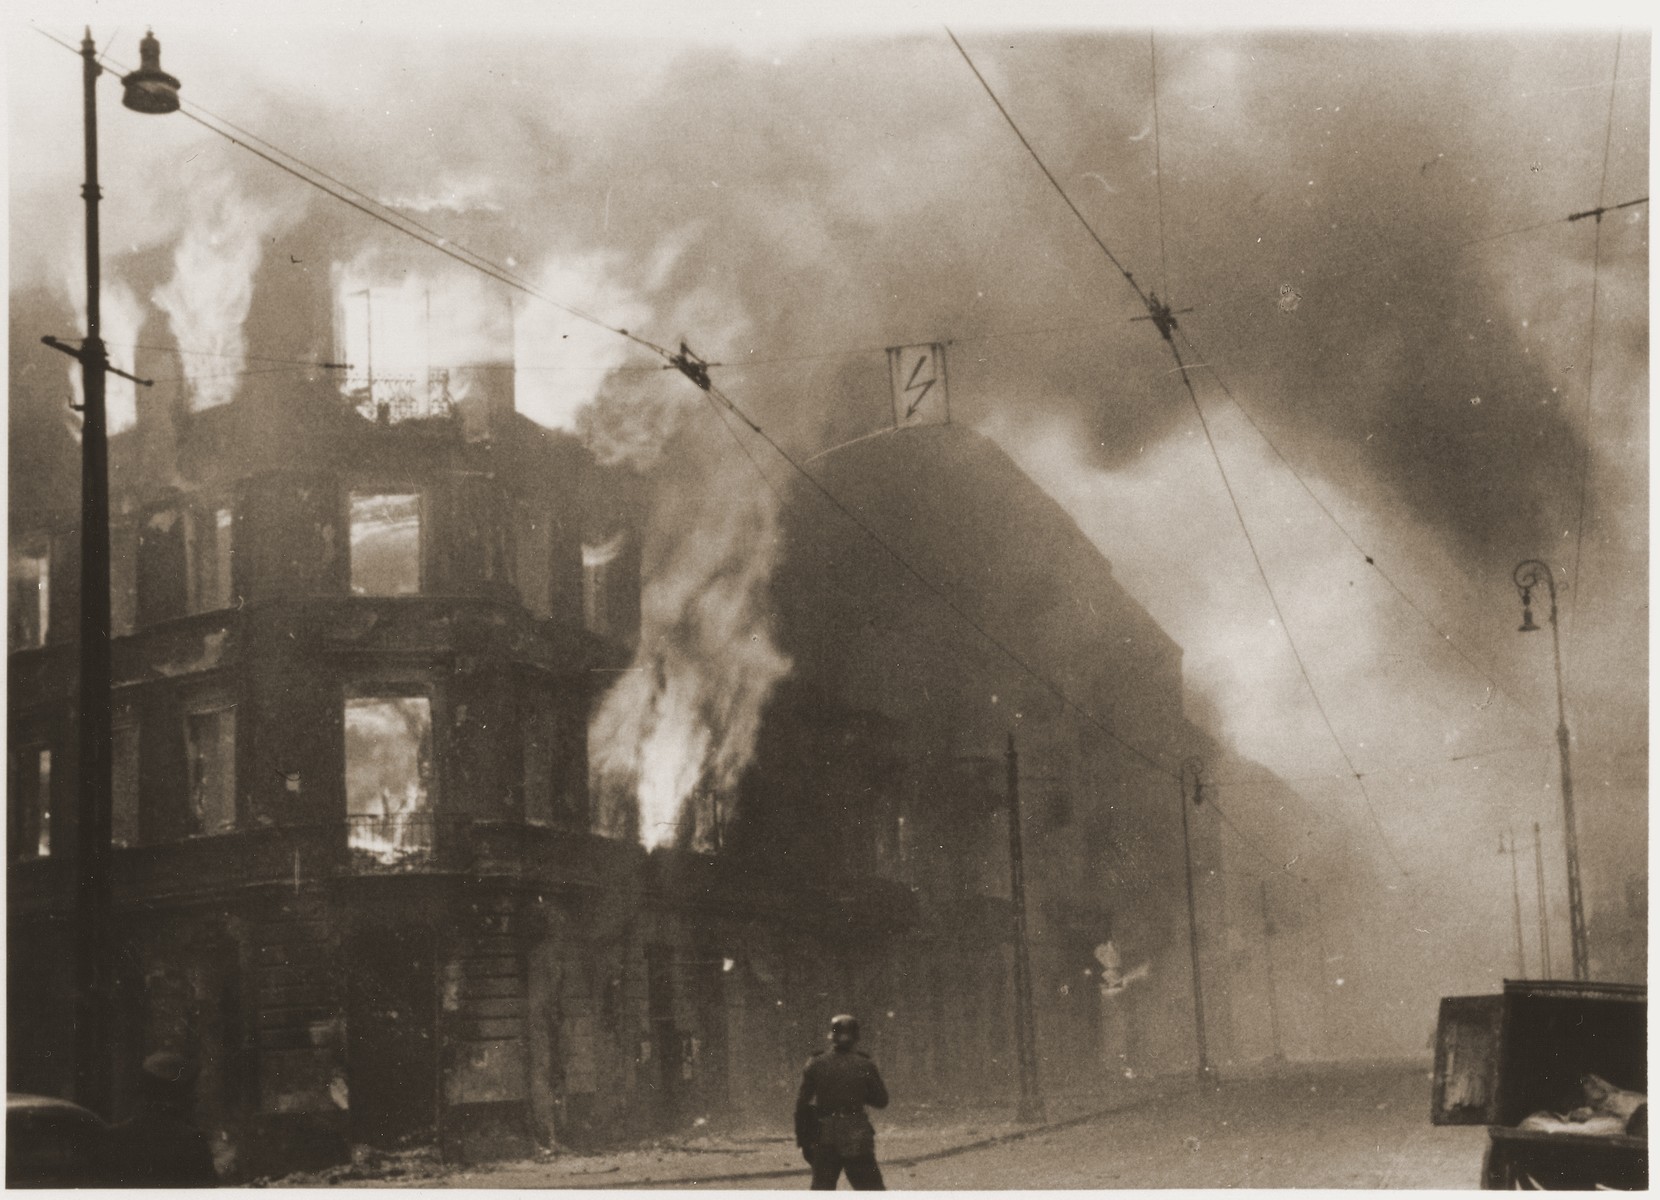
{"x": 830, "y": 1123}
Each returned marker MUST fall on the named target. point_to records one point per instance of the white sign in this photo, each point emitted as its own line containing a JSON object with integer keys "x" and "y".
{"x": 918, "y": 376}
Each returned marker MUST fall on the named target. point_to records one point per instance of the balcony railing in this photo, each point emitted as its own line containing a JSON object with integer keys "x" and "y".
{"x": 401, "y": 841}
{"x": 394, "y": 398}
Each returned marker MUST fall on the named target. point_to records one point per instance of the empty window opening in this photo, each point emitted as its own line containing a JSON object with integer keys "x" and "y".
{"x": 386, "y": 338}
{"x": 386, "y": 543}
{"x": 123, "y": 580}
{"x": 210, "y": 744}
{"x": 208, "y": 550}
{"x": 124, "y": 771}
{"x": 596, "y": 583}
{"x": 30, "y": 800}
{"x": 389, "y": 776}
{"x": 533, "y": 550}
{"x": 555, "y": 770}
{"x": 31, "y": 594}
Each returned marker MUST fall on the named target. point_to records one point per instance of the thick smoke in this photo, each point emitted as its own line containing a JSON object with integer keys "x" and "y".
{"x": 791, "y": 213}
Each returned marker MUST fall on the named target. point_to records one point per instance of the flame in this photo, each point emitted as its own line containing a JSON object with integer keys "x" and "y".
{"x": 123, "y": 316}
{"x": 208, "y": 297}
{"x": 689, "y": 713}
{"x": 412, "y": 329}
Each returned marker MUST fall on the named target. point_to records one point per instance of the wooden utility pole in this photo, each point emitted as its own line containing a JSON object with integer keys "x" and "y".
{"x": 1539, "y": 888}
{"x": 1198, "y": 769}
{"x": 1031, "y": 1102}
{"x": 1516, "y": 898}
{"x": 1268, "y": 963}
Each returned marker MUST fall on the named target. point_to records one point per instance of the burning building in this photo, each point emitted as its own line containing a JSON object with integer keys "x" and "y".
{"x": 455, "y": 803}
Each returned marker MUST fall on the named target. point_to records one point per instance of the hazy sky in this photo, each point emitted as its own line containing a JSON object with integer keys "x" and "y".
{"x": 800, "y": 197}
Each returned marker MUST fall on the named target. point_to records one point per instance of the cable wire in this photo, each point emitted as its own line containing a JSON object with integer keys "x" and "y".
{"x": 373, "y": 208}
{"x": 384, "y": 214}
{"x": 1371, "y": 561}
{"x": 937, "y": 590}
{"x": 1158, "y": 161}
{"x": 1160, "y": 314}
{"x": 1591, "y": 372}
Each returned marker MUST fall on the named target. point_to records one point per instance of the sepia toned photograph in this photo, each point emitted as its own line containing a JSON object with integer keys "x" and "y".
{"x": 780, "y": 597}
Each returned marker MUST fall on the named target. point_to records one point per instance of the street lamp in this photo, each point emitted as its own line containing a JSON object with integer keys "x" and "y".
{"x": 1031, "y": 1100}
{"x": 1528, "y": 575}
{"x": 1196, "y": 767}
{"x": 149, "y": 90}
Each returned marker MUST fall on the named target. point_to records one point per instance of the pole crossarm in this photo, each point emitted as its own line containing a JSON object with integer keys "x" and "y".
{"x": 79, "y": 353}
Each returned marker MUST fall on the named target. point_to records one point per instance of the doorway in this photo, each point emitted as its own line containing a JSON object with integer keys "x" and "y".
{"x": 391, "y": 1037}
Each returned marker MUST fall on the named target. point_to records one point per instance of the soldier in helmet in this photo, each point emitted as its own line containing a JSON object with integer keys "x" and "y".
{"x": 830, "y": 1123}
{"x": 160, "y": 1145}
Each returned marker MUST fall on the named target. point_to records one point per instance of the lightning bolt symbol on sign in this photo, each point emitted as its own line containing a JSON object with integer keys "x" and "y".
{"x": 911, "y": 385}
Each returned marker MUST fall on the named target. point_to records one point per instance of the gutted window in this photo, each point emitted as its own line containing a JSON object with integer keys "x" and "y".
{"x": 30, "y": 593}
{"x": 124, "y": 772}
{"x": 208, "y": 549}
{"x": 555, "y": 768}
{"x": 533, "y": 552}
{"x": 597, "y": 564}
{"x": 30, "y": 799}
{"x": 123, "y": 580}
{"x": 210, "y": 744}
{"x": 710, "y": 810}
{"x": 389, "y": 775}
{"x": 163, "y": 568}
{"x": 386, "y": 337}
{"x": 386, "y": 543}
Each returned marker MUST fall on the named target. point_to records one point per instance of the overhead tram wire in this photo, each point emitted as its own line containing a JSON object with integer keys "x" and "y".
{"x": 382, "y": 213}
{"x": 1158, "y": 160}
{"x": 1152, "y": 305}
{"x": 1591, "y": 371}
{"x": 1426, "y": 764}
{"x": 1324, "y": 508}
{"x": 859, "y": 351}
{"x": 1596, "y": 212}
{"x": 1161, "y": 315}
{"x": 1446, "y": 638}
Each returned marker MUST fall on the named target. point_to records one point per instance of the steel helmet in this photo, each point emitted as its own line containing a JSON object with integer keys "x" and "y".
{"x": 844, "y": 1028}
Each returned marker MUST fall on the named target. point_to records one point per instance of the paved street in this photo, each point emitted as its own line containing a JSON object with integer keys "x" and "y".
{"x": 1357, "y": 1128}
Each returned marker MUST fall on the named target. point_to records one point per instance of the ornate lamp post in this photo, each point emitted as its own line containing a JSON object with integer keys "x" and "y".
{"x": 1530, "y": 574}
{"x": 1196, "y": 768}
{"x": 148, "y": 90}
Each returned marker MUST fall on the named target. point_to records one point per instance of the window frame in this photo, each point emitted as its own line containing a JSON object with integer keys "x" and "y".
{"x": 543, "y": 708}
{"x": 529, "y": 512}
{"x": 423, "y": 540}
{"x": 29, "y": 750}
{"x": 204, "y": 702}
{"x": 395, "y": 686}
{"x": 126, "y": 722}
{"x": 19, "y": 549}
{"x": 200, "y": 518}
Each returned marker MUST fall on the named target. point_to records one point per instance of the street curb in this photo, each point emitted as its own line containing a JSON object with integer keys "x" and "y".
{"x": 911, "y": 1160}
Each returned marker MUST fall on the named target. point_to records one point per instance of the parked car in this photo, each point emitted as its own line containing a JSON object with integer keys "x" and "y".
{"x": 51, "y": 1143}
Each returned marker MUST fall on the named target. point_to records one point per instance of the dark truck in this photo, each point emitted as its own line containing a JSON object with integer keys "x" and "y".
{"x": 1556, "y": 1070}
